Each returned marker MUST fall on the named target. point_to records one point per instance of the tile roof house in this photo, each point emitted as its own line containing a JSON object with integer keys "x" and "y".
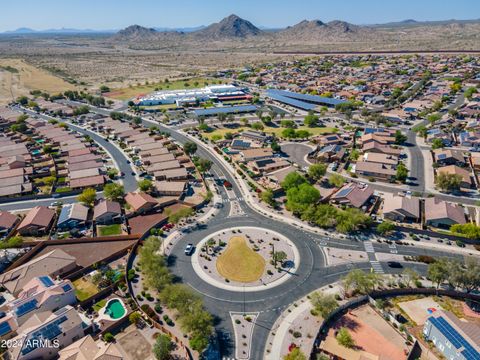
{"x": 375, "y": 170}
{"x": 37, "y": 222}
{"x": 442, "y": 214}
{"x": 256, "y": 154}
{"x": 40, "y": 294}
{"x": 380, "y": 158}
{"x": 53, "y": 264}
{"x": 331, "y": 153}
{"x": 466, "y": 182}
{"x": 445, "y": 157}
{"x": 171, "y": 174}
{"x": 353, "y": 194}
{"x": 72, "y": 215}
{"x": 170, "y": 188}
{"x": 7, "y": 222}
{"x": 140, "y": 202}
{"x": 106, "y": 212}
{"x": 88, "y": 349}
{"x": 65, "y": 325}
{"x": 401, "y": 208}
{"x": 376, "y": 147}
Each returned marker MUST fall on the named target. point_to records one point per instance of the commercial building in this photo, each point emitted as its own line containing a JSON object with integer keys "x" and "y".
{"x": 192, "y": 96}
{"x": 302, "y": 101}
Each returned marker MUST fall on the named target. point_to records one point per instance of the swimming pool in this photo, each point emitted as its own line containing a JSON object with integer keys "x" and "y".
{"x": 114, "y": 309}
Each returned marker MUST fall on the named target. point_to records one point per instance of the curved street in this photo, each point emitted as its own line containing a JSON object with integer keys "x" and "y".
{"x": 312, "y": 272}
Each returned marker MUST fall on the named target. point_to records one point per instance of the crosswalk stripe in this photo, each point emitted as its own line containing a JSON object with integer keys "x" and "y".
{"x": 368, "y": 247}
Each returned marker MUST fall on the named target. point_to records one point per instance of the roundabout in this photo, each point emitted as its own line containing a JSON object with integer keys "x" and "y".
{"x": 245, "y": 259}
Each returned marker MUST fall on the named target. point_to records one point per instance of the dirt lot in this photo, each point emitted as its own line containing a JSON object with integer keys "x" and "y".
{"x": 18, "y": 78}
{"x": 371, "y": 333}
{"x": 134, "y": 344}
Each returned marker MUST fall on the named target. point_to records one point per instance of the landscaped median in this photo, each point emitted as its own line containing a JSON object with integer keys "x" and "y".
{"x": 245, "y": 259}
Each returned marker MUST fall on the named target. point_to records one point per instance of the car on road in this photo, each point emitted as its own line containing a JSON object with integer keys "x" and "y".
{"x": 189, "y": 249}
{"x": 56, "y": 203}
{"x": 394, "y": 264}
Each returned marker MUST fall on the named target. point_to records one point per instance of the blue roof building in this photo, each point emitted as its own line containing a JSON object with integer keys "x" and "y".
{"x": 455, "y": 339}
{"x": 302, "y": 101}
{"x": 225, "y": 110}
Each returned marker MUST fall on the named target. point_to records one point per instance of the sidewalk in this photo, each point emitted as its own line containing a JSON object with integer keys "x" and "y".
{"x": 291, "y": 317}
{"x": 252, "y": 202}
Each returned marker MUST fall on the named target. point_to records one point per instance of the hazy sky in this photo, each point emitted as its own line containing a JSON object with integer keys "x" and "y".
{"x": 115, "y": 14}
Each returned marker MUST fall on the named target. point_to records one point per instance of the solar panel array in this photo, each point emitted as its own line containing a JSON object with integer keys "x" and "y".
{"x": 455, "y": 338}
{"x": 313, "y": 98}
{"x": 5, "y": 328}
{"x": 344, "y": 192}
{"x": 241, "y": 143}
{"x": 46, "y": 281}
{"x": 289, "y": 101}
{"x": 225, "y": 110}
{"x": 66, "y": 287}
{"x": 26, "y": 307}
{"x": 48, "y": 332}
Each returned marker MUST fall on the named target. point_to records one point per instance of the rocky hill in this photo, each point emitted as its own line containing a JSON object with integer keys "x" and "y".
{"x": 136, "y": 33}
{"x": 230, "y": 27}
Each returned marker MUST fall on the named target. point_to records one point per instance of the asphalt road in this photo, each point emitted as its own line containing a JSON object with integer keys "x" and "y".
{"x": 120, "y": 160}
{"x": 312, "y": 272}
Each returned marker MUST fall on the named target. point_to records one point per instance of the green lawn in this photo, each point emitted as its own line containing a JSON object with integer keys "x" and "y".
{"x": 271, "y": 130}
{"x": 133, "y": 91}
{"x": 108, "y": 230}
{"x": 99, "y": 305}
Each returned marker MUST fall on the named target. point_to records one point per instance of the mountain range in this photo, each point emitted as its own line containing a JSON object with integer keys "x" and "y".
{"x": 236, "y": 27}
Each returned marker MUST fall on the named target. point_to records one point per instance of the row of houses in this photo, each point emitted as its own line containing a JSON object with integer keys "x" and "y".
{"x": 403, "y": 208}
{"x": 39, "y": 312}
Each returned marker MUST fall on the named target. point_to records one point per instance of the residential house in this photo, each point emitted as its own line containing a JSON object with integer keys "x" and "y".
{"x": 453, "y": 338}
{"x": 442, "y": 214}
{"x": 376, "y": 147}
{"x": 353, "y": 194}
{"x": 72, "y": 215}
{"x": 379, "y": 158}
{"x": 326, "y": 140}
{"x": 172, "y": 174}
{"x": 54, "y": 263}
{"x": 258, "y": 136}
{"x": 140, "y": 202}
{"x": 37, "y": 221}
{"x": 466, "y": 182}
{"x": 65, "y": 325}
{"x": 444, "y": 157}
{"x": 256, "y": 154}
{"x": 39, "y": 295}
{"x": 401, "y": 208}
{"x": 268, "y": 165}
{"x": 170, "y": 188}
{"x": 7, "y": 222}
{"x": 374, "y": 170}
{"x": 331, "y": 153}
{"x": 107, "y": 212}
{"x": 88, "y": 349}
{"x": 239, "y": 144}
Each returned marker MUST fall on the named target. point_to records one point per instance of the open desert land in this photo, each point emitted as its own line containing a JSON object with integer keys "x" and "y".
{"x": 19, "y": 78}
